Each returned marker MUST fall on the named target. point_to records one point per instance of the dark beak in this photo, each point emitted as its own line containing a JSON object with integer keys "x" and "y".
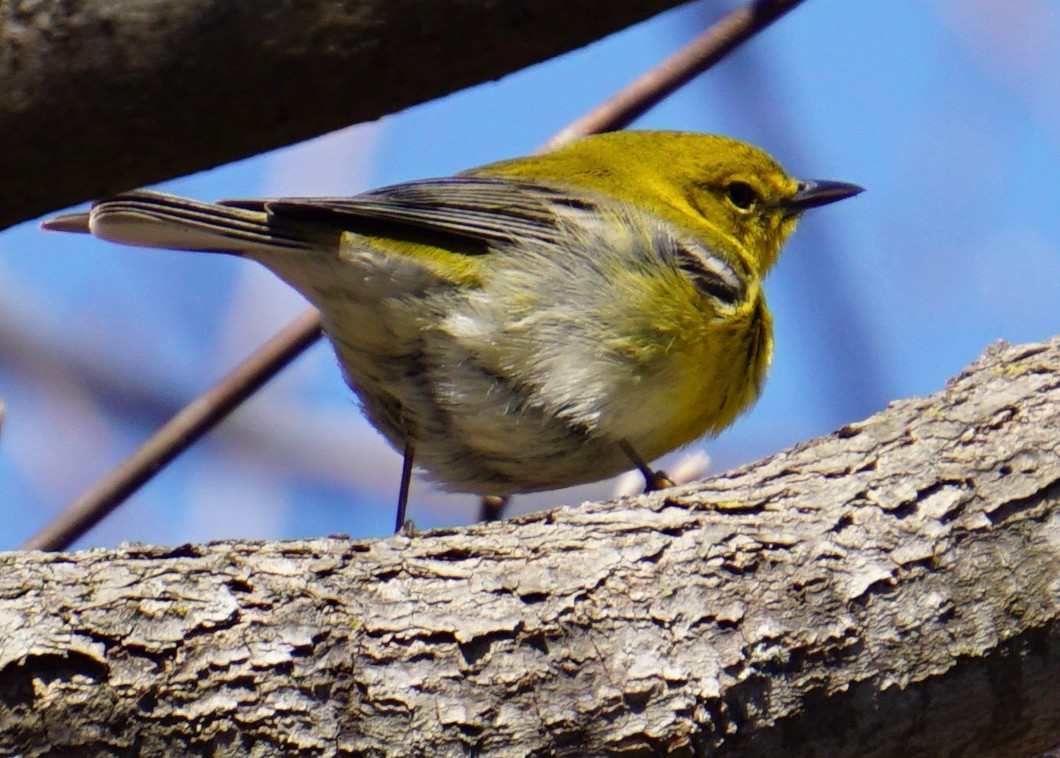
{"x": 821, "y": 192}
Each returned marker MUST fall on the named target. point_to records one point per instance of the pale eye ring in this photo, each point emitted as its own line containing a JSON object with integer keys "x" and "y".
{"x": 741, "y": 195}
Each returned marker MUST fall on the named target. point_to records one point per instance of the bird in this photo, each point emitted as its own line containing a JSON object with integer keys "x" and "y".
{"x": 534, "y": 323}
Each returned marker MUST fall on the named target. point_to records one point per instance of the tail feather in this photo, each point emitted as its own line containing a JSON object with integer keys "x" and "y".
{"x": 154, "y": 219}
{"x": 68, "y": 222}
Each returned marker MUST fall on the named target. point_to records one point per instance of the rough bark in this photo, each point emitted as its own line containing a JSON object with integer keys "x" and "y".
{"x": 100, "y": 95}
{"x": 891, "y": 589}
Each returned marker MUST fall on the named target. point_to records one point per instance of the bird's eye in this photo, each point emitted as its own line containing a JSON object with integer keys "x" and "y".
{"x": 741, "y": 195}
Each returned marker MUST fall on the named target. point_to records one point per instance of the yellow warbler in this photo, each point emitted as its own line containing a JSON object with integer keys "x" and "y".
{"x": 534, "y": 323}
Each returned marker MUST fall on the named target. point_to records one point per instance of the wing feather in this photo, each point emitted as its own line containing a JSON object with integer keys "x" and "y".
{"x": 448, "y": 212}
{"x": 480, "y": 208}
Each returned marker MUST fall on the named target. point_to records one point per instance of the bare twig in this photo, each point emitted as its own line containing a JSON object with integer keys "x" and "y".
{"x": 210, "y": 408}
{"x": 693, "y": 59}
{"x": 191, "y": 423}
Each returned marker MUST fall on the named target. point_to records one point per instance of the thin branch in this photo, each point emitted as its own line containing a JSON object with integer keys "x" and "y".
{"x": 680, "y": 68}
{"x": 179, "y": 433}
{"x": 696, "y": 57}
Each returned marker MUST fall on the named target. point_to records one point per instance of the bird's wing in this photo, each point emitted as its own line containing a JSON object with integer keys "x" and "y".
{"x": 471, "y": 207}
{"x": 462, "y": 213}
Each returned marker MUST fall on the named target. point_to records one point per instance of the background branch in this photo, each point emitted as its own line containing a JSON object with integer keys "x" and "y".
{"x": 892, "y": 584}
{"x": 101, "y": 96}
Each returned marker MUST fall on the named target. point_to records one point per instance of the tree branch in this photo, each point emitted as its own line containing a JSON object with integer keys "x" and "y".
{"x": 100, "y": 96}
{"x": 892, "y": 584}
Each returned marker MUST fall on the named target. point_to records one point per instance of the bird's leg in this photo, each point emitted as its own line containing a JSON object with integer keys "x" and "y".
{"x": 492, "y": 507}
{"x": 653, "y": 480}
{"x": 403, "y": 492}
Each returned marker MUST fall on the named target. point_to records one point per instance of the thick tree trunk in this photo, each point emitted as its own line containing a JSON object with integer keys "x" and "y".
{"x": 99, "y": 96}
{"x": 891, "y": 589}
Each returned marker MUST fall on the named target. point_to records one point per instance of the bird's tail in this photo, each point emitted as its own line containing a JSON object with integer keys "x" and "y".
{"x": 153, "y": 219}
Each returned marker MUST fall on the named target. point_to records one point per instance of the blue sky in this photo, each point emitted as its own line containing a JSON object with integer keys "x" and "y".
{"x": 946, "y": 110}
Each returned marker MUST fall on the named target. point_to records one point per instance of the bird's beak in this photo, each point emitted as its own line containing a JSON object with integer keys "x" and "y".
{"x": 811, "y": 194}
